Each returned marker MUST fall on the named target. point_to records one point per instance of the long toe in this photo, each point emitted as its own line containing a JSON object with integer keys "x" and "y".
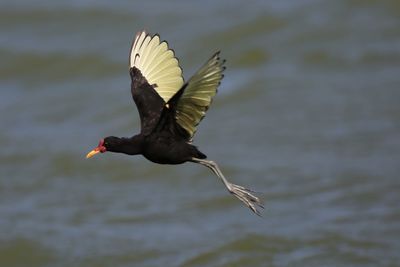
{"x": 245, "y": 195}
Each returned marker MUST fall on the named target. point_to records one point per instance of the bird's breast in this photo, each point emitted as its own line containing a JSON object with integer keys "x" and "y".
{"x": 166, "y": 152}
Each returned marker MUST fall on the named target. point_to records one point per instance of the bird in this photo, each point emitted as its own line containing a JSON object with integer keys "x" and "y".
{"x": 170, "y": 110}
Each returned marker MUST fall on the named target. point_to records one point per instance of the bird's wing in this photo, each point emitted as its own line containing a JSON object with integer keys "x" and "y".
{"x": 198, "y": 93}
{"x": 157, "y": 63}
{"x": 156, "y": 77}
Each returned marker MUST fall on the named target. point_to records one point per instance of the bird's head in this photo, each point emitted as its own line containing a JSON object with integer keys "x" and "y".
{"x": 106, "y": 144}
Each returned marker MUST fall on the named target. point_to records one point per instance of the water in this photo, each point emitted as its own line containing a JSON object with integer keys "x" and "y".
{"x": 308, "y": 114}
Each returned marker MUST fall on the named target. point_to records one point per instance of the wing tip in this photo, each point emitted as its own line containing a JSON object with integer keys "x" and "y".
{"x": 134, "y": 42}
{"x": 139, "y": 33}
{"x": 133, "y": 45}
{"x": 218, "y": 60}
{"x": 139, "y": 58}
{"x": 177, "y": 59}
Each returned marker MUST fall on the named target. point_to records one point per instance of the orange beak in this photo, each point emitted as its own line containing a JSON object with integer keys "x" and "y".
{"x": 99, "y": 149}
{"x": 93, "y": 152}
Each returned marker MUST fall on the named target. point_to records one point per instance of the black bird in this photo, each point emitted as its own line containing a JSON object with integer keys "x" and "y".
{"x": 170, "y": 109}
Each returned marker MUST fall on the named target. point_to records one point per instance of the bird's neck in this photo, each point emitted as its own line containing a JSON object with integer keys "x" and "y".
{"x": 130, "y": 146}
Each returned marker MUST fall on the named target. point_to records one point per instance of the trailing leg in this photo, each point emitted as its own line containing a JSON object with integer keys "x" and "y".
{"x": 243, "y": 194}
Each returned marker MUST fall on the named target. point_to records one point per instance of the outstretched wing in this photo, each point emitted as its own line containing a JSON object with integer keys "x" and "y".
{"x": 156, "y": 77}
{"x": 198, "y": 93}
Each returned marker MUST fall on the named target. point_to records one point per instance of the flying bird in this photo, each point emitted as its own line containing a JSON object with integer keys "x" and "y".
{"x": 170, "y": 110}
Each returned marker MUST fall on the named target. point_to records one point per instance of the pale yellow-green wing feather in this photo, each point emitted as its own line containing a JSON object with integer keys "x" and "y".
{"x": 157, "y": 63}
{"x": 198, "y": 94}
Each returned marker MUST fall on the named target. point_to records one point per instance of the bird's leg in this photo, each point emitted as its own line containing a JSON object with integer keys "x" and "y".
{"x": 243, "y": 194}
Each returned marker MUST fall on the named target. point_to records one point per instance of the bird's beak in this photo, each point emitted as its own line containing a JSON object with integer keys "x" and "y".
{"x": 99, "y": 149}
{"x": 93, "y": 152}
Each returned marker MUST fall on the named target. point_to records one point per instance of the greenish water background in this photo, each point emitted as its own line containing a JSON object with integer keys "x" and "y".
{"x": 308, "y": 114}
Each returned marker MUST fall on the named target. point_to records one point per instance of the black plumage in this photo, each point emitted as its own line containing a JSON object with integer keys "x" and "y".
{"x": 170, "y": 110}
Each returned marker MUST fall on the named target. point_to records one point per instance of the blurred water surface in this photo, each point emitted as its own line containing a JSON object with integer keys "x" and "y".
{"x": 308, "y": 114}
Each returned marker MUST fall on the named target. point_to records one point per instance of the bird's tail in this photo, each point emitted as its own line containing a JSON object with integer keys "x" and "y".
{"x": 198, "y": 153}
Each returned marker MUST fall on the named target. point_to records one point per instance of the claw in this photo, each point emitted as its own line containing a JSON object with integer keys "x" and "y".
{"x": 244, "y": 195}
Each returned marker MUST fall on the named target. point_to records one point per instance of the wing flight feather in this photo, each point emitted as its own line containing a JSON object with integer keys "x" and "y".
{"x": 197, "y": 96}
{"x": 157, "y": 64}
